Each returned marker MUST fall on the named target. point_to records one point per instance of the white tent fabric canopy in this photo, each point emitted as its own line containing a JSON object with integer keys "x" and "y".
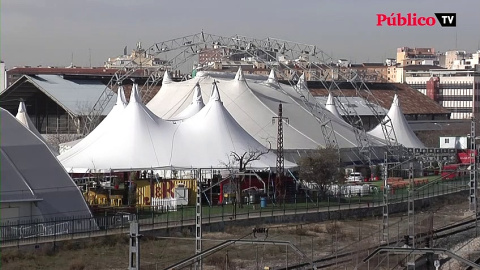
{"x": 133, "y": 139}
{"x": 208, "y": 138}
{"x": 31, "y": 173}
{"x": 253, "y": 104}
{"x": 403, "y": 132}
{"x": 81, "y": 144}
{"x": 137, "y": 139}
{"x": 194, "y": 107}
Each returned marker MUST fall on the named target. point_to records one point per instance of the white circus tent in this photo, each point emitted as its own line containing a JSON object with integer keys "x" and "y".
{"x": 33, "y": 183}
{"x": 253, "y": 103}
{"x": 403, "y": 132}
{"x": 208, "y": 139}
{"x": 134, "y": 139}
{"x": 137, "y": 139}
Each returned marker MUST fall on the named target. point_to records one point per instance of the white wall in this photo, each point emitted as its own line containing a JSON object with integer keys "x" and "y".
{"x": 454, "y": 142}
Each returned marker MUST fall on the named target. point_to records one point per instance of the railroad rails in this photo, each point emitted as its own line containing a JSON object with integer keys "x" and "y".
{"x": 342, "y": 258}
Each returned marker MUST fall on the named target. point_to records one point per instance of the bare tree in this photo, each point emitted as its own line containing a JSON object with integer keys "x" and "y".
{"x": 241, "y": 161}
{"x": 322, "y": 167}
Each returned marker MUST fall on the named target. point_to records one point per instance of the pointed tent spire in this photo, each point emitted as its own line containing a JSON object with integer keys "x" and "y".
{"x": 239, "y": 76}
{"x": 194, "y": 107}
{"x": 215, "y": 94}
{"x": 22, "y": 108}
{"x": 134, "y": 95}
{"x": 166, "y": 78}
{"x": 331, "y": 106}
{"x": 301, "y": 84}
{"x": 272, "y": 78}
{"x": 197, "y": 94}
{"x": 395, "y": 101}
{"x": 121, "y": 96}
{"x": 22, "y": 117}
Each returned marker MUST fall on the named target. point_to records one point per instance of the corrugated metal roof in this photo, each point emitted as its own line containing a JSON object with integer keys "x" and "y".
{"x": 411, "y": 100}
{"x": 358, "y": 103}
{"x": 75, "y": 96}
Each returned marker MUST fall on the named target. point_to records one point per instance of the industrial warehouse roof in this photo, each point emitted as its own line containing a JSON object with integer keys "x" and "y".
{"x": 30, "y": 172}
{"x": 74, "y": 96}
{"x": 413, "y": 102}
{"x": 350, "y": 103}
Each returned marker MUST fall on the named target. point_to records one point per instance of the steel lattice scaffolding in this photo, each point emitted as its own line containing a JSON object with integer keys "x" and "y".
{"x": 385, "y": 233}
{"x": 315, "y": 63}
{"x": 411, "y": 214}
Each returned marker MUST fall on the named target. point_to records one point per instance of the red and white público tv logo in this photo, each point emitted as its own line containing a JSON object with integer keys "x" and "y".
{"x": 411, "y": 19}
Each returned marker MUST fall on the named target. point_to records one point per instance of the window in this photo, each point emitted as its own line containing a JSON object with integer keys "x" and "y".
{"x": 447, "y": 140}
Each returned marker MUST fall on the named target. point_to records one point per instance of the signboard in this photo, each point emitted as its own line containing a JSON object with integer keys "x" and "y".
{"x": 465, "y": 156}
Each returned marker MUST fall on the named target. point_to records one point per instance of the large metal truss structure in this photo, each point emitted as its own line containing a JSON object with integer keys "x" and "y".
{"x": 305, "y": 59}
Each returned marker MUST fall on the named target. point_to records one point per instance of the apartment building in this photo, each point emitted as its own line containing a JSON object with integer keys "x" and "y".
{"x": 456, "y": 90}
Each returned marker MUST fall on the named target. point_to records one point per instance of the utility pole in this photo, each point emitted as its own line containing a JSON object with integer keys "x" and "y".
{"x": 411, "y": 215}
{"x": 473, "y": 174}
{"x": 134, "y": 247}
{"x": 473, "y": 169}
{"x": 198, "y": 221}
{"x": 279, "y": 185}
{"x": 385, "y": 199}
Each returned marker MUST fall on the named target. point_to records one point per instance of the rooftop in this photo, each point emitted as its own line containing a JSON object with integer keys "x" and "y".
{"x": 421, "y": 67}
{"x": 411, "y": 101}
{"x": 74, "y": 96}
{"x": 359, "y": 104}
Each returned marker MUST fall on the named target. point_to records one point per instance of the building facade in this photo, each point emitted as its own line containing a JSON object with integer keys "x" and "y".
{"x": 3, "y": 77}
{"x": 415, "y": 54}
{"x": 138, "y": 58}
{"x": 456, "y": 90}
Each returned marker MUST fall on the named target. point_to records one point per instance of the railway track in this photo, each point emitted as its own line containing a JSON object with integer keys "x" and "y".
{"x": 341, "y": 258}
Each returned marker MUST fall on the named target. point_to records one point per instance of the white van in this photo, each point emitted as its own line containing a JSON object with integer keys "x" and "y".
{"x": 355, "y": 177}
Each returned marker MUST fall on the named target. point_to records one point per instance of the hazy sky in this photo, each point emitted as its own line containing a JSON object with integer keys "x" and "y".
{"x": 47, "y": 32}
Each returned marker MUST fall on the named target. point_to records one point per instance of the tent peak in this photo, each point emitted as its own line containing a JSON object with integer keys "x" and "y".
{"x": 301, "y": 84}
{"x": 121, "y": 96}
{"x": 197, "y": 94}
{"x": 166, "y": 78}
{"x": 395, "y": 101}
{"x": 215, "y": 96}
{"x": 331, "y": 107}
{"x": 239, "y": 76}
{"x": 134, "y": 96}
{"x": 272, "y": 78}
{"x": 330, "y": 100}
{"x": 21, "y": 107}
